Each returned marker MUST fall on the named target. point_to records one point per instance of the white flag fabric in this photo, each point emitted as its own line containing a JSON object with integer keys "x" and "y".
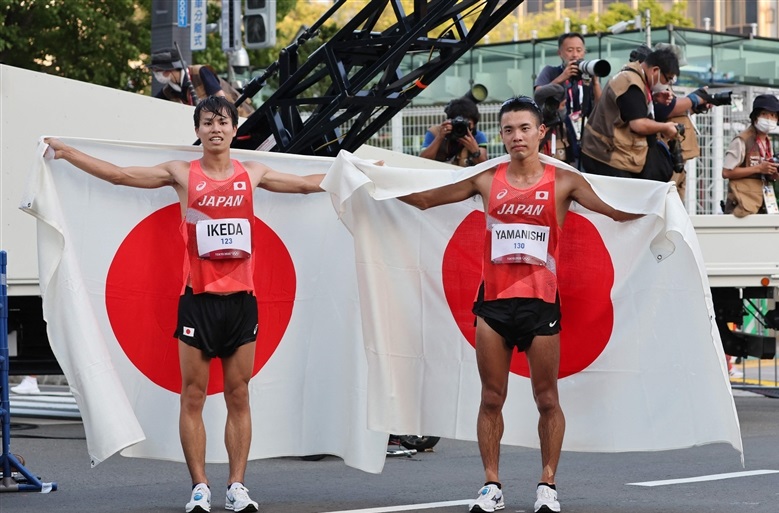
{"x": 642, "y": 366}
{"x": 110, "y": 261}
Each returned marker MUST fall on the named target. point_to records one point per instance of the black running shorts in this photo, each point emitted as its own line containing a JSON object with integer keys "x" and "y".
{"x": 217, "y": 325}
{"x": 519, "y": 320}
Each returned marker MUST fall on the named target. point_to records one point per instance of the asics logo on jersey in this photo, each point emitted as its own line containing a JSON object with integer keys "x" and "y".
{"x": 200, "y": 186}
{"x": 502, "y": 194}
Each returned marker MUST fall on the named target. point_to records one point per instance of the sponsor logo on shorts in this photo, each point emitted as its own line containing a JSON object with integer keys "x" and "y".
{"x": 551, "y": 324}
{"x": 255, "y": 328}
{"x": 188, "y": 332}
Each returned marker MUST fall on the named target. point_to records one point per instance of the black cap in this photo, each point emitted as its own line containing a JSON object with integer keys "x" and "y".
{"x": 765, "y": 102}
{"x": 166, "y": 60}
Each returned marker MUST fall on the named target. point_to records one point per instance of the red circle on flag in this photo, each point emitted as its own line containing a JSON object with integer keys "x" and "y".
{"x": 144, "y": 283}
{"x": 585, "y": 279}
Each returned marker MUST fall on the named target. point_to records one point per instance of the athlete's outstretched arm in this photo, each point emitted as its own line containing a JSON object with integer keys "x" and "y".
{"x": 573, "y": 186}
{"x": 276, "y": 181}
{"x": 134, "y": 176}
{"x": 442, "y": 195}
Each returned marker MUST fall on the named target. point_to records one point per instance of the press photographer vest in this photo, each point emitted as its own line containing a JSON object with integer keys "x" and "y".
{"x": 608, "y": 138}
{"x": 244, "y": 110}
{"x": 745, "y": 195}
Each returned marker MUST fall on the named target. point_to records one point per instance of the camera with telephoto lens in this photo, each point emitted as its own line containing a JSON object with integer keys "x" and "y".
{"x": 675, "y": 147}
{"x": 716, "y": 99}
{"x": 594, "y": 67}
{"x": 459, "y": 127}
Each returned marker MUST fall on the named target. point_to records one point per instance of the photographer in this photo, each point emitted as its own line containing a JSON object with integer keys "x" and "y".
{"x": 750, "y": 165}
{"x": 581, "y": 92}
{"x": 622, "y": 132}
{"x": 456, "y": 139}
{"x": 669, "y": 107}
{"x": 190, "y": 84}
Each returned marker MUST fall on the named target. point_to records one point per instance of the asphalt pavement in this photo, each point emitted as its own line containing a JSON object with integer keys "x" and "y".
{"x": 708, "y": 479}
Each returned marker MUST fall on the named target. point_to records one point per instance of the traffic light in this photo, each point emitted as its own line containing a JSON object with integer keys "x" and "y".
{"x": 259, "y": 23}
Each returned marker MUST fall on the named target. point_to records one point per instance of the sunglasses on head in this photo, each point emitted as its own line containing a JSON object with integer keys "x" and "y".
{"x": 521, "y": 100}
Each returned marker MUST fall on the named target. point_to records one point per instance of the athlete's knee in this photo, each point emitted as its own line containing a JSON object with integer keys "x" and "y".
{"x": 192, "y": 398}
{"x": 237, "y": 397}
{"x": 547, "y": 401}
{"x": 492, "y": 399}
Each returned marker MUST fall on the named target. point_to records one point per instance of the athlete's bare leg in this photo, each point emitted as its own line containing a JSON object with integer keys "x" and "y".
{"x": 493, "y": 359}
{"x": 543, "y": 356}
{"x": 238, "y": 429}
{"x": 194, "y": 382}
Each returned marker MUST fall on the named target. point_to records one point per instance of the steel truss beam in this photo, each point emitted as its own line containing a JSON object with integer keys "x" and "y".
{"x": 363, "y": 67}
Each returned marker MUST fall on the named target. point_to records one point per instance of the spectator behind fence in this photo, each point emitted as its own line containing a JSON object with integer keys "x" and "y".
{"x": 190, "y": 84}
{"x": 581, "y": 93}
{"x": 456, "y": 140}
{"x": 749, "y": 163}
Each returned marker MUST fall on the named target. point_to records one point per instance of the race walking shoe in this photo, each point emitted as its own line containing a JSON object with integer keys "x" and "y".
{"x": 200, "y": 502}
{"x": 546, "y": 499}
{"x": 29, "y": 385}
{"x": 490, "y": 499}
{"x": 238, "y": 499}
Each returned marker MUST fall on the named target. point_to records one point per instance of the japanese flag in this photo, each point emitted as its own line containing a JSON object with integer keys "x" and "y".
{"x": 110, "y": 261}
{"x": 642, "y": 366}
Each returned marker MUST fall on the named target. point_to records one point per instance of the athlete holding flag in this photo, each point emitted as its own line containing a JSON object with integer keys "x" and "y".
{"x": 217, "y": 313}
{"x": 518, "y": 304}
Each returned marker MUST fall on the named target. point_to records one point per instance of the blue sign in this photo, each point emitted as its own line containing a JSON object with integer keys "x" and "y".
{"x": 181, "y": 8}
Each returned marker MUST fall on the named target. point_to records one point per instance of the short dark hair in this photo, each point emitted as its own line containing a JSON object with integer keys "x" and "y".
{"x": 568, "y": 35}
{"x": 521, "y": 103}
{"x": 666, "y": 60}
{"x": 462, "y": 107}
{"x": 218, "y": 105}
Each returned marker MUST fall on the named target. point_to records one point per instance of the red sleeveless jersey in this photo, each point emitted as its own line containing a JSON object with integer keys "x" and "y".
{"x": 219, "y": 212}
{"x": 521, "y": 239}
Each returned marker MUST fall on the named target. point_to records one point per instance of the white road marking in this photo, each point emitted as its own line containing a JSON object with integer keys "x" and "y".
{"x": 712, "y": 477}
{"x": 409, "y": 507}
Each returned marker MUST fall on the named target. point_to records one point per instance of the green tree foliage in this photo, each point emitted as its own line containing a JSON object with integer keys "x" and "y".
{"x": 97, "y": 41}
{"x": 550, "y": 22}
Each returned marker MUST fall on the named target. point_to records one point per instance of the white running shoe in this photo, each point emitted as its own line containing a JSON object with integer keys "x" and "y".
{"x": 200, "y": 502}
{"x": 29, "y": 385}
{"x": 490, "y": 499}
{"x": 547, "y": 500}
{"x": 238, "y": 499}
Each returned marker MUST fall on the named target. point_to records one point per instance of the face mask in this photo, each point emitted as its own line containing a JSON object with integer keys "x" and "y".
{"x": 160, "y": 77}
{"x": 765, "y": 125}
{"x": 659, "y": 87}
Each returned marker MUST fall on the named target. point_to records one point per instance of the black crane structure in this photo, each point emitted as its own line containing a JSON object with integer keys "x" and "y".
{"x": 362, "y": 66}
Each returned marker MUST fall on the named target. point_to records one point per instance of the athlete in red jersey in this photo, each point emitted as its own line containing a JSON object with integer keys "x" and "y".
{"x": 215, "y": 194}
{"x": 517, "y": 305}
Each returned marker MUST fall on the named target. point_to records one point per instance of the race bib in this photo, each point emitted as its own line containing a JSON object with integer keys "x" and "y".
{"x": 224, "y": 238}
{"x": 516, "y": 242}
